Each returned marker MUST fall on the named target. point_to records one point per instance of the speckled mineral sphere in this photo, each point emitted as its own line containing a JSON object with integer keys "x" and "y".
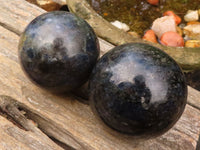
{"x": 139, "y": 90}
{"x": 58, "y": 51}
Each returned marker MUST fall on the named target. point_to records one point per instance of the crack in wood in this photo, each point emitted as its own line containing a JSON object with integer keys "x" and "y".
{"x": 51, "y": 129}
{"x": 198, "y": 144}
{"x": 24, "y": 118}
{"x": 9, "y": 107}
{"x": 193, "y": 105}
{"x": 5, "y": 115}
{"x": 61, "y": 144}
{"x": 10, "y": 28}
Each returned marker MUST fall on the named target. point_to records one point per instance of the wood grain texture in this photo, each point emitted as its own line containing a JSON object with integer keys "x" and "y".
{"x": 194, "y": 97}
{"x": 62, "y": 116}
{"x": 16, "y": 14}
{"x": 14, "y": 138}
{"x": 23, "y": 134}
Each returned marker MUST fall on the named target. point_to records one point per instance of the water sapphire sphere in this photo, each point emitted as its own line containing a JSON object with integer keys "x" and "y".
{"x": 58, "y": 51}
{"x": 137, "y": 89}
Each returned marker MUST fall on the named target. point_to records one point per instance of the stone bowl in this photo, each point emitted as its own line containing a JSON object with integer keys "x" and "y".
{"x": 187, "y": 58}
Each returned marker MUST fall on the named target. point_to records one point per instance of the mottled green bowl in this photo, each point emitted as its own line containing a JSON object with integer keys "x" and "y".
{"x": 187, "y": 58}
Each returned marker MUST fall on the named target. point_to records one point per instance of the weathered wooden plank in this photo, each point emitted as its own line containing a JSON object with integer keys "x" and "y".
{"x": 70, "y": 121}
{"x": 194, "y": 97}
{"x": 14, "y": 15}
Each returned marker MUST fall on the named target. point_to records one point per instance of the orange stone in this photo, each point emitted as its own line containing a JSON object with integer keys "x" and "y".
{"x": 172, "y": 39}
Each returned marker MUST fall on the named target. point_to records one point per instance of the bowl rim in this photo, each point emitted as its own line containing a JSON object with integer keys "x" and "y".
{"x": 187, "y": 58}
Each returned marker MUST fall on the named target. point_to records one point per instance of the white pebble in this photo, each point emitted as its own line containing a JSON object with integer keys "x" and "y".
{"x": 192, "y": 15}
{"x": 192, "y": 31}
{"x": 61, "y": 2}
{"x": 120, "y": 25}
{"x": 163, "y": 24}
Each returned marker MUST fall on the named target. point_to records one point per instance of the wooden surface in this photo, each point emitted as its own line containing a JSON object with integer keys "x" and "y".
{"x": 60, "y": 121}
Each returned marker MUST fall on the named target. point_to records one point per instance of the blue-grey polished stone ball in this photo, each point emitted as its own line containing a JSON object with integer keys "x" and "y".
{"x": 137, "y": 89}
{"x": 58, "y": 51}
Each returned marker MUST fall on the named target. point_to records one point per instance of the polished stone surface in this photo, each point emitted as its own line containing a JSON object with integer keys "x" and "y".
{"x": 138, "y": 89}
{"x": 58, "y": 51}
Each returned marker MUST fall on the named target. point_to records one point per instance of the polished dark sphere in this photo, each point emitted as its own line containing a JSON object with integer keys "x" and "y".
{"x": 139, "y": 90}
{"x": 58, "y": 51}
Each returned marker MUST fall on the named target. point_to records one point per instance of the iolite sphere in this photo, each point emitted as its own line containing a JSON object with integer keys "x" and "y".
{"x": 139, "y": 90}
{"x": 58, "y": 51}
